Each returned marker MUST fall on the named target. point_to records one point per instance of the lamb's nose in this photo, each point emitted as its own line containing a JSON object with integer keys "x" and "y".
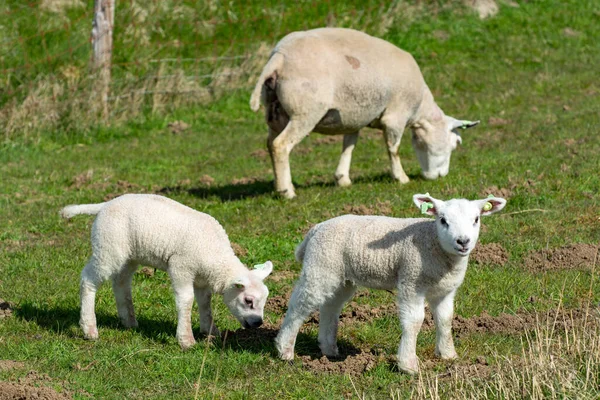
{"x": 463, "y": 241}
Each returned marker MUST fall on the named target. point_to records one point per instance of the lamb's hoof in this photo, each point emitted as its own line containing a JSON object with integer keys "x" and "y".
{"x": 214, "y": 332}
{"x": 402, "y": 179}
{"x": 331, "y": 352}
{"x": 287, "y": 355}
{"x": 343, "y": 181}
{"x": 447, "y": 355}
{"x": 91, "y": 335}
{"x": 186, "y": 343}
{"x": 410, "y": 367}
{"x": 130, "y": 324}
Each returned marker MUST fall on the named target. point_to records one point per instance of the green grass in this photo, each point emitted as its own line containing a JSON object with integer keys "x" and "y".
{"x": 520, "y": 66}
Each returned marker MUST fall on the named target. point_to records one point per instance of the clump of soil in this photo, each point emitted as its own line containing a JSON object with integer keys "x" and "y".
{"x": 147, "y": 271}
{"x": 82, "y": 179}
{"x": 379, "y": 208}
{"x": 6, "y": 365}
{"x": 356, "y": 364}
{"x": 244, "y": 181}
{"x": 365, "y": 313}
{"x": 278, "y": 304}
{"x": 32, "y": 386}
{"x": 328, "y": 139}
{"x": 123, "y": 187}
{"x": 239, "y": 250}
{"x": 505, "y": 193}
{"x": 206, "y": 180}
{"x": 260, "y": 153}
{"x": 177, "y": 127}
{"x": 573, "y": 256}
{"x": 5, "y": 309}
{"x": 489, "y": 254}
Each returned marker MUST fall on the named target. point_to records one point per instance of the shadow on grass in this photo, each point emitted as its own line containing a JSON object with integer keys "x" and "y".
{"x": 256, "y": 188}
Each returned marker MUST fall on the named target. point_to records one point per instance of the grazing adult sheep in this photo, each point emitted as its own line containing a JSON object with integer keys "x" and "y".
{"x": 337, "y": 81}
{"x": 191, "y": 246}
{"x": 422, "y": 259}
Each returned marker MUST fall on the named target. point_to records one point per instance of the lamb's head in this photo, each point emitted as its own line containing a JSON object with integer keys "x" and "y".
{"x": 457, "y": 220}
{"x": 246, "y": 295}
{"x": 434, "y": 139}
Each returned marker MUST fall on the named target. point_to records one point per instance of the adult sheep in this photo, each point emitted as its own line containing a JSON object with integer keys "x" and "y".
{"x": 337, "y": 81}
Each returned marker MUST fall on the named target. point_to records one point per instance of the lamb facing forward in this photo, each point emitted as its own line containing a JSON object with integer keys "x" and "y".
{"x": 337, "y": 81}
{"x": 191, "y": 246}
{"x": 423, "y": 259}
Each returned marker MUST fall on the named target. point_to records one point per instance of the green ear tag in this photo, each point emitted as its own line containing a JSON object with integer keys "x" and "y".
{"x": 487, "y": 206}
{"x": 425, "y": 207}
{"x": 259, "y": 266}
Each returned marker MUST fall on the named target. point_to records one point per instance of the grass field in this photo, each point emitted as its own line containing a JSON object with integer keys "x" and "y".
{"x": 527, "y": 316}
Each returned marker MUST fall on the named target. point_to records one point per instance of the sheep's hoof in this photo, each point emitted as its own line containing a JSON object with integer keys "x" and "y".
{"x": 343, "y": 181}
{"x": 130, "y": 323}
{"x": 403, "y": 179}
{"x": 186, "y": 343}
{"x": 90, "y": 333}
{"x": 287, "y": 355}
{"x": 287, "y": 193}
{"x": 410, "y": 367}
{"x": 450, "y": 355}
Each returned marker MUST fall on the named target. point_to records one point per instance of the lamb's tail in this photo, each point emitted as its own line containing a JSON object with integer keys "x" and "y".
{"x": 301, "y": 249}
{"x": 269, "y": 72}
{"x": 90, "y": 209}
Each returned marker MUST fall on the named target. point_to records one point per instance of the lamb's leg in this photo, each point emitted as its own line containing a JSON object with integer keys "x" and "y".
{"x": 281, "y": 146}
{"x": 122, "y": 290}
{"x": 302, "y": 303}
{"x": 90, "y": 282}
{"x": 203, "y": 296}
{"x": 183, "y": 286}
{"x": 392, "y": 131}
{"x": 412, "y": 313}
{"x": 443, "y": 310}
{"x": 342, "y": 173}
{"x": 329, "y": 319}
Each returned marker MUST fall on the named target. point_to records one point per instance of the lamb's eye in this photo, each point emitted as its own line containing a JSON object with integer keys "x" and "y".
{"x": 476, "y": 220}
{"x": 443, "y": 221}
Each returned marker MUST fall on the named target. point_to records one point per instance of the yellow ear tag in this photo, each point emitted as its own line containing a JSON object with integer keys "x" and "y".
{"x": 487, "y": 206}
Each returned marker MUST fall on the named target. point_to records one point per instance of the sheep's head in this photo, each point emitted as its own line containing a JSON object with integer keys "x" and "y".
{"x": 457, "y": 220}
{"x": 434, "y": 139}
{"x": 246, "y": 295}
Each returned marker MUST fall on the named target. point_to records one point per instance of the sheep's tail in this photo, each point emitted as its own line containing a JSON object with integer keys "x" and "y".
{"x": 90, "y": 209}
{"x": 269, "y": 72}
{"x": 301, "y": 249}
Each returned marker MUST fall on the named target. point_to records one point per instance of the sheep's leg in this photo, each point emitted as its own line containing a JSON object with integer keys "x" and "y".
{"x": 302, "y": 303}
{"x": 342, "y": 173}
{"x": 90, "y": 282}
{"x": 443, "y": 310}
{"x": 329, "y": 319}
{"x": 184, "y": 299}
{"x": 281, "y": 146}
{"x": 121, "y": 284}
{"x": 203, "y": 296}
{"x": 392, "y": 131}
{"x": 412, "y": 313}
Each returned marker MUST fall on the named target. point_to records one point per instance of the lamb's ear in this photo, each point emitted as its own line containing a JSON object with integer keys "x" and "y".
{"x": 491, "y": 205}
{"x": 241, "y": 282}
{"x": 427, "y": 204}
{"x": 263, "y": 270}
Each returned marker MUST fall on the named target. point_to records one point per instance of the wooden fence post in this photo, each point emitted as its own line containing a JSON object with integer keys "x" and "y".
{"x": 102, "y": 41}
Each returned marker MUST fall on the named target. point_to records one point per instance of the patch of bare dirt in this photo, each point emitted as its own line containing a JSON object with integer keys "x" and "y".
{"x": 491, "y": 253}
{"x": 484, "y": 8}
{"x": 147, "y": 271}
{"x": 5, "y": 309}
{"x": 244, "y": 181}
{"x": 379, "y": 208}
{"x": 260, "y": 153}
{"x": 356, "y": 364}
{"x": 32, "y": 386}
{"x": 6, "y": 365}
{"x": 278, "y": 304}
{"x": 573, "y": 256}
{"x": 82, "y": 179}
{"x": 206, "y": 180}
{"x": 505, "y": 193}
{"x": 278, "y": 276}
{"x": 496, "y": 121}
{"x": 239, "y": 250}
{"x": 178, "y": 127}
{"x": 328, "y": 139}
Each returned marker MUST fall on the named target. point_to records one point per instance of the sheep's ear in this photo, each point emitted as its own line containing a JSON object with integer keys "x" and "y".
{"x": 491, "y": 205}
{"x": 241, "y": 282}
{"x": 427, "y": 204}
{"x": 263, "y": 270}
{"x": 460, "y": 124}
